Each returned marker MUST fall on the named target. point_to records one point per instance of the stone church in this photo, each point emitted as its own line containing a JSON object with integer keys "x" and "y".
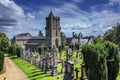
{"x": 53, "y": 31}
{"x": 52, "y": 38}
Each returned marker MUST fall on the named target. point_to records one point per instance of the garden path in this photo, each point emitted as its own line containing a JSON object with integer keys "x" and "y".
{"x": 12, "y": 71}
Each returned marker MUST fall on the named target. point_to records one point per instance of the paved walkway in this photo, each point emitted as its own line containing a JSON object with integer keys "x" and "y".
{"x": 12, "y": 71}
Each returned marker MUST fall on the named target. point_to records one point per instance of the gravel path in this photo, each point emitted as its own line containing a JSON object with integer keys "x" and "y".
{"x": 12, "y": 71}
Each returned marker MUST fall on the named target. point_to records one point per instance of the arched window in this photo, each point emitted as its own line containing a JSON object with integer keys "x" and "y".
{"x": 56, "y": 33}
{"x": 57, "y": 43}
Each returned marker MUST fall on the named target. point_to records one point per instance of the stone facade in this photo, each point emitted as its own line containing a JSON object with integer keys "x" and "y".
{"x": 21, "y": 39}
{"x": 79, "y": 39}
{"x": 53, "y": 31}
{"x": 34, "y": 42}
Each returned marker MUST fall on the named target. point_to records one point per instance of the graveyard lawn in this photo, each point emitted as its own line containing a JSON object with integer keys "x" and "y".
{"x": 36, "y": 74}
{"x": 33, "y": 72}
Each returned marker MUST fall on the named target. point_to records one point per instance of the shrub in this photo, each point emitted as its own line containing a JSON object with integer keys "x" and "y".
{"x": 71, "y": 46}
{"x": 15, "y": 49}
{"x": 101, "y": 60}
{"x": 95, "y": 60}
{"x": 112, "y": 60}
{"x": 40, "y": 48}
{"x": 1, "y": 60}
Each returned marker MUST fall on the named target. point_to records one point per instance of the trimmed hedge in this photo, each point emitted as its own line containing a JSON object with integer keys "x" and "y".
{"x": 95, "y": 61}
{"x": 112, "y": 60}
{"x": 101, "y": 60}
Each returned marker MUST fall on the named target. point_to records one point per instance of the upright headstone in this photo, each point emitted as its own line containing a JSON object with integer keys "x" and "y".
{"x": 83, "y": 72}
{"x": 54, "y": 67}
{"x": 69, "y": 70}
{"x": 67, "y": 56}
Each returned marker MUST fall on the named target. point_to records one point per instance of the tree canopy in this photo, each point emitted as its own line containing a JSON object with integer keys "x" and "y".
{"x": 40, "y": 33}
{"x": 4, "y": 42}
{"x": 113, "y": 35}
{"x": 101, "y": 60}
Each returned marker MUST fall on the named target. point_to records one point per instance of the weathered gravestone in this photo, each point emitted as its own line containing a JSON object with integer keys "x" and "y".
{"x": 54, "y": 67}
{"x": 83, "y": 72}
{"x": 69, "y": 70}
{"x": 69, "y": 54}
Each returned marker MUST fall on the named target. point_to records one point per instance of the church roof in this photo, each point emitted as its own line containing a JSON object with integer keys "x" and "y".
{"x": 24, "y": 34}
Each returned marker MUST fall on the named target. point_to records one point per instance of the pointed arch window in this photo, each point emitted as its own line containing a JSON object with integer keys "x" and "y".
{"x": 56, "y": 33}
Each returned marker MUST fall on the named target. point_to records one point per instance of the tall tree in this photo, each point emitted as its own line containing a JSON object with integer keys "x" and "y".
{"x": 101, "y": 60}
{"x": 98, "y": 39}
{"x": 63, "y": 39}
{"x": 112, "y": 60}
{"x": 40, "y": 33}
{"x": 4, "y": 45}
{"x": 4, "y": 42}
{"x": 95, "y": 60}
{"x": 113, "y": 35}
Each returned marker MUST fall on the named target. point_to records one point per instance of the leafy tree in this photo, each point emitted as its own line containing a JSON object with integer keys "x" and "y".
{"x": 98, "y": 39}
{"x": 113, "y": 35}
{"x": 71, "y": 46}
{"x": 15, "y": 49}
{"x": 63, "y": 40}
{"x": 40, "y": 33}
{"x": 18, "y": 51}
{"x": 42, "y": 48}
{"x": 12, "y": 49}
{"x": 4, "y": 42}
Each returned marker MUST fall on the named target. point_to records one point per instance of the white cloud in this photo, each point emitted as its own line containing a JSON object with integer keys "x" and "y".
{"x": 18, "y": 11}
{"x": 13, "y": 20}
{"x": 72, "y": 18}
{"x": 114, "y": 2}
{"x": 78, "y": 1}
{"x": 30, "y": 15}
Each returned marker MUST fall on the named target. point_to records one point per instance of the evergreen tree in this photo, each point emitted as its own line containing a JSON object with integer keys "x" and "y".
{"x": 101, "y": 60}
{"x": 4, "y": 42}
{"x": 95, "y": 60}
{"x": 63, "y": 40}
{"x": 113, "y": 35}
{"x": 112, "y": 60}
{"x": 40, "y": 33}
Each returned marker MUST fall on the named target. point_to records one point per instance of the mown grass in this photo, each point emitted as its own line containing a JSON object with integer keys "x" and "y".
{"x": 33, "y": 72}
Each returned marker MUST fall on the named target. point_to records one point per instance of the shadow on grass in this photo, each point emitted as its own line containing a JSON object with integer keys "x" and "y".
{"x": 31, "y": 71}
{"x": 36, "y": 78}
{"x": 13, "y": 57}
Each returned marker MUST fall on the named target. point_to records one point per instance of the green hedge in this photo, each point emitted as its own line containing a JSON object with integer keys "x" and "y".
{"x": 112, "y": 60}
{"x": 15, "y": 49}
{"x": 94, "y": 58}
{"x": 1, "y": 60}
{"x": 43, "y": 48}
{"x": 101, "y": 60}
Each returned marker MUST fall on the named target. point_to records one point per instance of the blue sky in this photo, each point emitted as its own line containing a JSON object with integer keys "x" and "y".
{"x": 91, "y": 17}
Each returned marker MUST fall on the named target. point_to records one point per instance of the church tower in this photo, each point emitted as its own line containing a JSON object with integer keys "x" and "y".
{"x": 53, "y": 31}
